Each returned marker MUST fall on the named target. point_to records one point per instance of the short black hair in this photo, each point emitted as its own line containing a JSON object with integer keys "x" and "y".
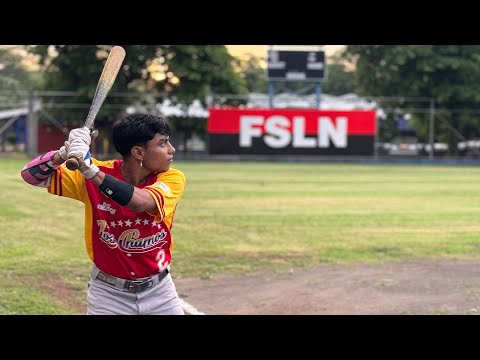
{"x": 136, "y": 130}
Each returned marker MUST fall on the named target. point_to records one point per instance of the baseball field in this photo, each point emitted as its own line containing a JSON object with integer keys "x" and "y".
{"x": 241, "y": 217}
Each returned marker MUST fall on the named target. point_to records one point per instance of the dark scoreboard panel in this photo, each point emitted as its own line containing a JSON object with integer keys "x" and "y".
{"x": 296, "y": 65}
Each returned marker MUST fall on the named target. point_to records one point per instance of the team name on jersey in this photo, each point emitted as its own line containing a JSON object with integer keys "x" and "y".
{"x": 106, "y": 207}
{"x": 130, "y": 240}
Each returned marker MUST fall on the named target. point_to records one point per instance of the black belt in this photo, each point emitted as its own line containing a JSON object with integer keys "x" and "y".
{"x": 132, "y": 285}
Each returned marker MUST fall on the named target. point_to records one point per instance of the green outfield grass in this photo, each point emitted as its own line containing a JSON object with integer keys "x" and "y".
{"x": 238, "y": 217}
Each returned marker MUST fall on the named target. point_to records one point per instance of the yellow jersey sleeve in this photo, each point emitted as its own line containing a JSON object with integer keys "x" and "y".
{"x": 167, "y": 191}
{"x": 71, "y": 184}
{"x": 68, "y": 183}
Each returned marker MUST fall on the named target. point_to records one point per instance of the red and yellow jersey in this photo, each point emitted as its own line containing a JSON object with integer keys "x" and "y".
{"x": 120, "y": 241}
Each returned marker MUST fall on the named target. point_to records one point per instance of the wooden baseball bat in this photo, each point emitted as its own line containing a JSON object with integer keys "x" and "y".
{"x": 105, "y": 83}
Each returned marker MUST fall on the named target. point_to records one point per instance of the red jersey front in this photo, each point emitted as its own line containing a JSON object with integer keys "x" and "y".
{"x": 120, "y": 241}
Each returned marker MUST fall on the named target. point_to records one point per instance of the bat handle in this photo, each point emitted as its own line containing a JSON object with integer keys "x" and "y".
{"x": 72, "y": 164}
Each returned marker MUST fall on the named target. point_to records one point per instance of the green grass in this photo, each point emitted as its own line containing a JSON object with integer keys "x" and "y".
{"x": 240, "y": 217}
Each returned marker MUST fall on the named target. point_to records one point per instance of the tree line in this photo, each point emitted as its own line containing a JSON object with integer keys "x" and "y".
{"x": 445, "y": 74}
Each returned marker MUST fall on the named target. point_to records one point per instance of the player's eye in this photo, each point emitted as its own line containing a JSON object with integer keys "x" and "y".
{"x": 164, "y": 142}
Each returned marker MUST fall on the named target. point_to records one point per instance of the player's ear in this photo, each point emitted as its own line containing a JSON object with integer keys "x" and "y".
{"x": 137, "y": 152}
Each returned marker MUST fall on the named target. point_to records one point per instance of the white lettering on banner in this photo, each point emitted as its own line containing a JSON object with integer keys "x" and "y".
{"x": 299, "y": 139}
{"x": 278, "y": 127}
{"x": 278, "y": 133}
{"x": 328, "y": 130}
{"x": 247, "y": 131}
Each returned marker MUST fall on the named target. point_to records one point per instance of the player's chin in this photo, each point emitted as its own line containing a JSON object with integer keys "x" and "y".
{"x": 164, "y": 167}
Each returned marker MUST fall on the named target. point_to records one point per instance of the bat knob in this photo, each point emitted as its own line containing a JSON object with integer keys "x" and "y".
{"x": 72, "y": 164}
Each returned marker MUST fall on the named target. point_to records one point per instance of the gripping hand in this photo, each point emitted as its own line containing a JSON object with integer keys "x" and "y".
{"x": 86, "y": 167}
{"x": 81, "y": 138}
{"x": 80, "y": 134}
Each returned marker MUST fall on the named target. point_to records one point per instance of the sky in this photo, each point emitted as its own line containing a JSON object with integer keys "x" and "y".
{"x": 261, "y": 50}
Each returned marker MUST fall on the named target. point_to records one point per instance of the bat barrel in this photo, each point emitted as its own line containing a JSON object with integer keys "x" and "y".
{"x": 105, "y": 83}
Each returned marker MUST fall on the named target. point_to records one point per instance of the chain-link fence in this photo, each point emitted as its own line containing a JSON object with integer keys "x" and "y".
{"x": 37, "y": 121}
{"x": 406, "y": 127}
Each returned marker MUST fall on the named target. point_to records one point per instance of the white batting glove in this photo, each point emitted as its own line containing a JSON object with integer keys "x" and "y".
{"x": 81, "y": 152}
{"x": 87, "y": 168}
{"x": 80, "y": 134}
{"x": 63, "y": 151}
{"x": 78, "y": 149}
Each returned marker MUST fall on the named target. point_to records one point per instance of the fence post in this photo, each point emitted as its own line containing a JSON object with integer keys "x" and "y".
{"x": 318, "y": 94}
{"x": 32, "y": 126}
{"x": 271, "y": 94}
{"x": 431, "y": 127}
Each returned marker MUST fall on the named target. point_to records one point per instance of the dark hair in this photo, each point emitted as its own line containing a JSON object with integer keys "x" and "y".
{"x": 136, "y": 130}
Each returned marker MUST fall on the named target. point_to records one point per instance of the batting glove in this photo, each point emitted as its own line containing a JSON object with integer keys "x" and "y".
{"x": 62, "y": 152}
{"x": 80, "y": 134}
{"x": 81, "y": 152}
{"x": 87, "y": 168}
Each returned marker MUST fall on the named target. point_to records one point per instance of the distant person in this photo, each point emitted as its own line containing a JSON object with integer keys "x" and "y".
{"x": 403, "y": 127}
{"x": 129, "y": 209}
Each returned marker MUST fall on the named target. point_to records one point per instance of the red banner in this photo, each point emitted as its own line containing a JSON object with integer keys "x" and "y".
{"x": 228, "y": 121}
{"x": 291, "y": 131}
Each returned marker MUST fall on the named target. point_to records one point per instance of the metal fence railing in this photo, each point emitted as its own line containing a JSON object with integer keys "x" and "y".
{"x": 406, "y": 126}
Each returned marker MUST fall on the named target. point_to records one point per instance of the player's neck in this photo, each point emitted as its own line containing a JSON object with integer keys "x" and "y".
{"x": 133, "y": 173}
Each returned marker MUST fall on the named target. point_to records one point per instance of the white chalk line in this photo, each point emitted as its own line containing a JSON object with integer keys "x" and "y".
{"x": 189, "y": 309}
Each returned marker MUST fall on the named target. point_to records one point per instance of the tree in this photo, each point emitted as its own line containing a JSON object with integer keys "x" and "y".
{"x": 181, "y": 72}
{"x": 255, "y": 75}
{"x": 186, "y": 71}
{"x": 448, "y": 74}
{"x": 202, "y": 70}
{"x": 339, "y": 80}
{"x": 13, "y": 73}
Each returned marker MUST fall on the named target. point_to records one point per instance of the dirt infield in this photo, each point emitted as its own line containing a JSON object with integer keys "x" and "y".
{"x": 427, "y": 287}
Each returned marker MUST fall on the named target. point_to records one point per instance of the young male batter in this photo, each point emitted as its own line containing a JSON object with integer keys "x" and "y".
{"x": 129, "y": 209}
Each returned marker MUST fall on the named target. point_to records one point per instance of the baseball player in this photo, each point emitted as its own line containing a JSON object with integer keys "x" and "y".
{"x": 129, "y": 209}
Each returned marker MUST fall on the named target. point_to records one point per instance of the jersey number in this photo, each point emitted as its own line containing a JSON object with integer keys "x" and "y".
{"x": 160, "y": 259}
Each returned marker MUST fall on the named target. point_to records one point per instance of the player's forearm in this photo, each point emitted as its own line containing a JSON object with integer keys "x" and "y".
{"x": 123, "y": 193}
{"x": 38, "y": 171}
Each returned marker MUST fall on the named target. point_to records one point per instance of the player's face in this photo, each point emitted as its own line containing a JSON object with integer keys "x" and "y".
{"x": 158, "y": 154}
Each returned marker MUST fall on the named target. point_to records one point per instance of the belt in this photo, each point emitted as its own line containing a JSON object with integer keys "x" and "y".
{"x": 132, "y": 285}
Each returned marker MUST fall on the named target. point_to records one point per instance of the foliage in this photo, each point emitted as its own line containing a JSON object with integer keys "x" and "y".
{"x": 13, "y": 73}
{"x": 202, "y": 70}
{"x": 181, "y": 72}
{"x": 251, "y": 70}
{"x": 185, "y": 127}
{"x": 447, "y": 74}
{"x": 339, "y": 80}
